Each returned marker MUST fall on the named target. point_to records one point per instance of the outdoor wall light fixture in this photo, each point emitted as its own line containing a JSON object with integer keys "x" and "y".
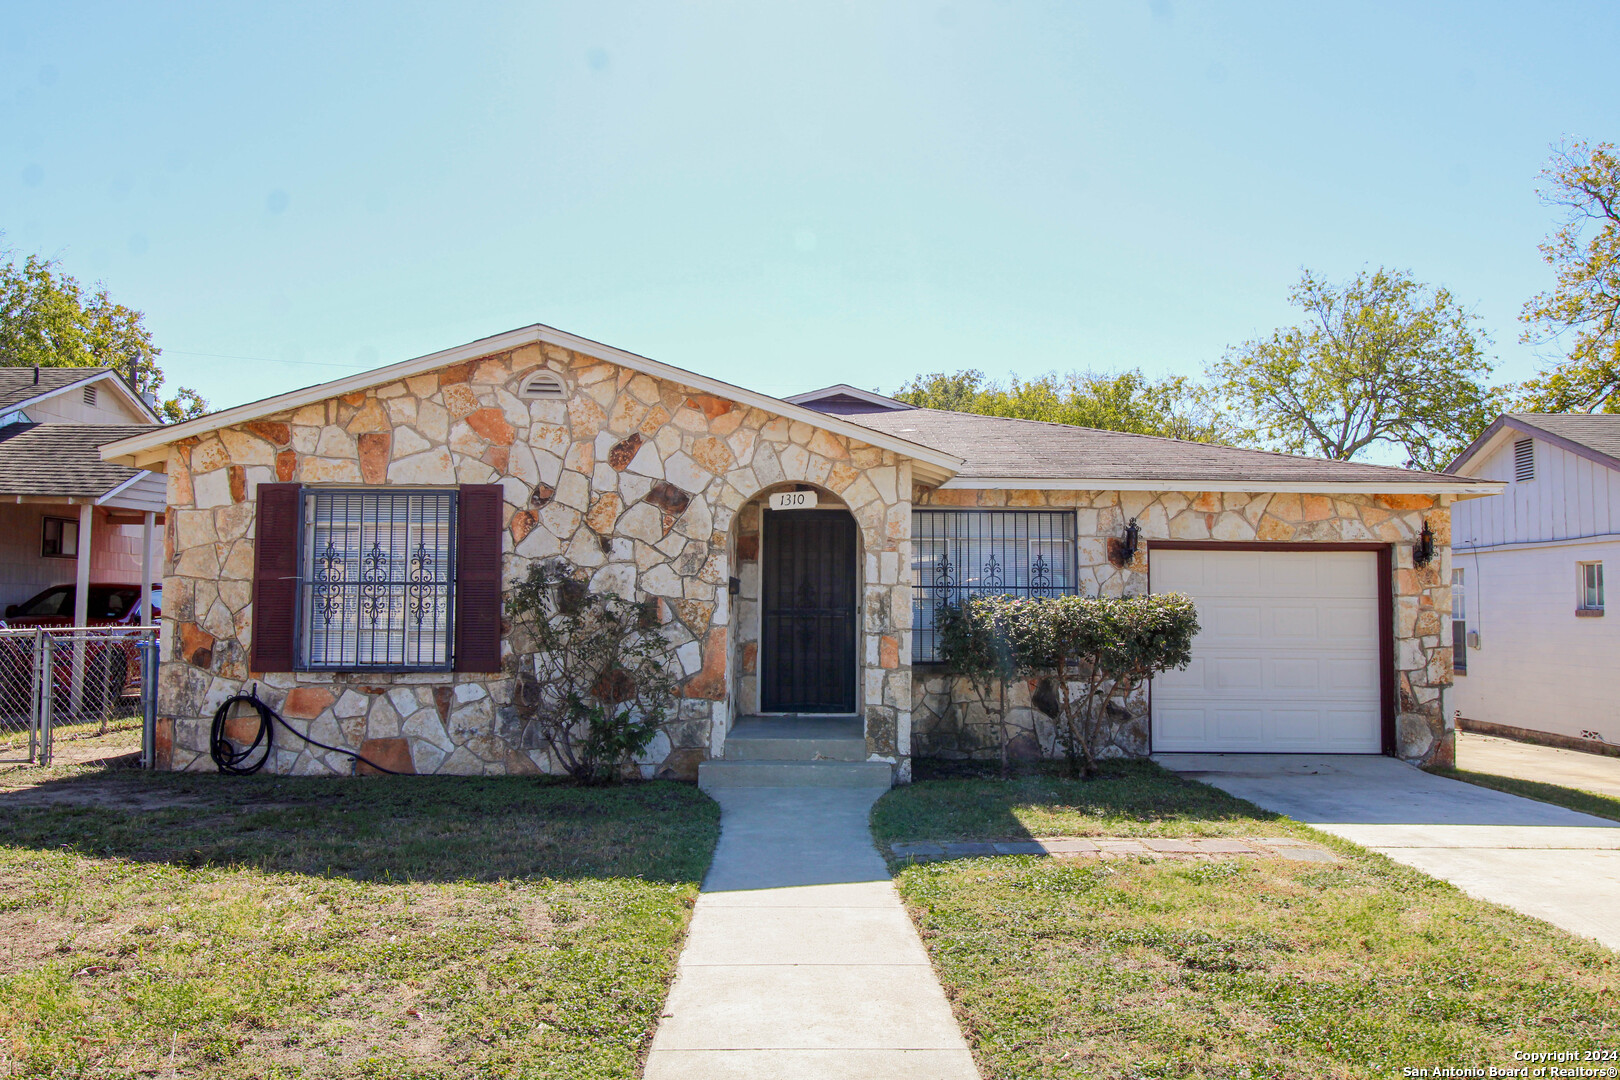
{"x": 1423, "y": 550}
{"x": 1127, "y": 547}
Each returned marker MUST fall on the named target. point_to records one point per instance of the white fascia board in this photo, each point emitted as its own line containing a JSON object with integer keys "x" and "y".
{"x": 1463, "y": 489}
{"x": 111, "y": 497}
{"x": 129, "y": 451}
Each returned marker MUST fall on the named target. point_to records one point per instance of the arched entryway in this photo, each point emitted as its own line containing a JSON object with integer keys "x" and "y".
{"x": 809, "y": 611}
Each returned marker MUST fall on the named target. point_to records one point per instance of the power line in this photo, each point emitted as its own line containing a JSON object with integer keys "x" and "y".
{"x": 262, "y": 359}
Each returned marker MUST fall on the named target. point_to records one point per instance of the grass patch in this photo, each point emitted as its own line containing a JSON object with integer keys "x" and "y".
{"x": 1129, "y": 798}
{"x": 298, "y": 927}
{"x": 1247, "y": 967}
{"x": 1587, "y": 802}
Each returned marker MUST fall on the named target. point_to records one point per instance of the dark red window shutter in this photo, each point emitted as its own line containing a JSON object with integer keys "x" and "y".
{"x": 478, "y": 578}
{"x": 275, "y": 578}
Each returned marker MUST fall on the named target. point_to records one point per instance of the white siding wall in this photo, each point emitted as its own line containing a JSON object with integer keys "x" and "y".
{"x": 69, "y": 407}
{"x": 1570, "y": 497}
{"x": 1539, "y": 666}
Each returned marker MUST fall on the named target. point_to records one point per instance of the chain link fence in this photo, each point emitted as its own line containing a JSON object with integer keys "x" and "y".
{"x": 74, "y": 683}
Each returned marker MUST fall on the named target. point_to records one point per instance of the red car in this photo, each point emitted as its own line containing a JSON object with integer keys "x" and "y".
{"x": 110, "y": 605}
{"x": 112, "y": 665}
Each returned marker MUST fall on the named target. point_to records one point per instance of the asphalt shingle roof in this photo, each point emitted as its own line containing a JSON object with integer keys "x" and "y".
{"x": 1595, "y": 431}
{"x": 62, "y": 459}
{"x": 17, "y": 383}
{"x": 997, "y": 446}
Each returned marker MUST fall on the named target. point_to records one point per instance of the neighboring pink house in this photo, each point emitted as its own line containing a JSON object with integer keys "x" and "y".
{"x": 67, "y": 516}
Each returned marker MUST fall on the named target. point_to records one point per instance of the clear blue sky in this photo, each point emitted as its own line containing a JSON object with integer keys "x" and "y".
{"x": 782, "y": 195}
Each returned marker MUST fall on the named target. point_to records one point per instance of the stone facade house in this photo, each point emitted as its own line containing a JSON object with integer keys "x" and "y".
{"x": 345, "y": 548}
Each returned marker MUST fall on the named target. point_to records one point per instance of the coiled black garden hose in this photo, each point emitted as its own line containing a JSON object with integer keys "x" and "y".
{"x": 235, "y": 762}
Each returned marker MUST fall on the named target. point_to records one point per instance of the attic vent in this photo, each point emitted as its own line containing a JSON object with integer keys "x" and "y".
{"x": 542, "y": 384}
{"x": 1524, "y": 460}
{"x": 89, "y": 395}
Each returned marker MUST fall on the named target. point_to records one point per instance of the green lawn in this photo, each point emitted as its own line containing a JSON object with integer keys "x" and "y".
{"x": 1246, "y": 967}
{"x": 204, "y": 926}
{"x": 1587, "y": 802}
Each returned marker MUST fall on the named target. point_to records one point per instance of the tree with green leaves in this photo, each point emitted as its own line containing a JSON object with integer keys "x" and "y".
{"x": 48, "y": 319}
{"x": 1381, "y": 359}
{"x": 1582, "y": 311}
{"x": 1122, "y": 401}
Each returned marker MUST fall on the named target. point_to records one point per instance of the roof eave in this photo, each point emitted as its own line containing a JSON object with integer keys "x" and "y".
{"x": 887, "y": 403}
{"x": 1462, "y": 488}
{"x": 137, "y": 451}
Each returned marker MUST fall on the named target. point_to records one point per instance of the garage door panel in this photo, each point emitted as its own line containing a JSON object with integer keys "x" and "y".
{"x": 1291, "y": 573}
{"x": 1296, "y": 674}
{"x": 1293, "y": 726}
{"x": 1350, "y": 674}
{"x": 1287, "y": 659}
{"x": 1181, "y": 724}
{"x": 1231, "y": 620}
{"x": 1239, "y": 673}
{"x": 1239, "y": 725}
{"x": 1297, "y": 622}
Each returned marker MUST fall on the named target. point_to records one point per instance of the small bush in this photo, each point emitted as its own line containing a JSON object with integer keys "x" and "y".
{"x": 1095, "y": 648}
{"x": 599, "y": 682}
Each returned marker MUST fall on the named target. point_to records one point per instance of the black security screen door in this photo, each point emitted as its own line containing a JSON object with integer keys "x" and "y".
{"x": 807, "y": 661}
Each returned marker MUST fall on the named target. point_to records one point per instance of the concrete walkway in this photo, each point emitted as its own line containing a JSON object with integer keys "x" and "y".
{"x": 1599, "y": 773}
{"x": 801, "y": 963}
{"x": 1531, "y": 856}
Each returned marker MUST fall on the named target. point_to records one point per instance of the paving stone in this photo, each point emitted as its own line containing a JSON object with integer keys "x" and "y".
{"x": 1169, "y": 846}
{"x": 1303, "y": 854}
{"x": 1022, "y": 847}
{"x": 1069, "y": 847}
{"x": 1121, "y": 847}
{"x": 962, "y": 849}
{"x": 1223, "y": 847}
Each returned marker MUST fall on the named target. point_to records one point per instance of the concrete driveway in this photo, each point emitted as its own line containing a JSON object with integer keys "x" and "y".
{"x": 1531, "y": 856}
{"x": 1599, "y": 773}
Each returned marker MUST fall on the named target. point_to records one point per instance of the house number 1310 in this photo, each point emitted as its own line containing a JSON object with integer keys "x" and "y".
{"x": 793, "y": 500}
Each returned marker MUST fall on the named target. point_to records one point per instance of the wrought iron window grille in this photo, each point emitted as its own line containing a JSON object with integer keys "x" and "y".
{"x": 962, "y": 553}
{"x": 377, "y": 588}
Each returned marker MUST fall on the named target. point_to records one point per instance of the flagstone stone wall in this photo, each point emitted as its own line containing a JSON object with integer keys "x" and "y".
{"x": 636, "y": 481}
{"x": 949, "y": 721}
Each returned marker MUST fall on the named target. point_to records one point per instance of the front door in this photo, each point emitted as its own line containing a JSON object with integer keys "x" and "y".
{"x": 807, "y": 647}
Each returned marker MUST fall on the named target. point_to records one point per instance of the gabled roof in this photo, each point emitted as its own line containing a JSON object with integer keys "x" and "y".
{"x": 958, "y": 450}
{"x": 1594, "y": 436}
{"x": 1000, "y": 452}
{"x": 20, "y": 387}
{"x": 148, "y": 450}
{"x": 845, "y": 399}
{"x": 62, "y": 460}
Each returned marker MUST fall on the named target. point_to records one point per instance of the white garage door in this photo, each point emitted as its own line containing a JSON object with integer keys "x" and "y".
{"x": 1287, "y": 657}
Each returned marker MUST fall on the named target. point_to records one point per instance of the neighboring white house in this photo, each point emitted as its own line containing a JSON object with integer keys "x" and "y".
{"x": 1527, "y": 576}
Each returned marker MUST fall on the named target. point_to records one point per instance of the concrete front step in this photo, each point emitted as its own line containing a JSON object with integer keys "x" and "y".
{"x": 823, "y": 774}
{"x": 742, "y": 747}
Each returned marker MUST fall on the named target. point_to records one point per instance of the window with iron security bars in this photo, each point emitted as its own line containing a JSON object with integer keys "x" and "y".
{"x": 961, "y": 553}
{"x": 377, "y": 579}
